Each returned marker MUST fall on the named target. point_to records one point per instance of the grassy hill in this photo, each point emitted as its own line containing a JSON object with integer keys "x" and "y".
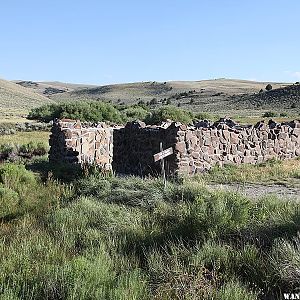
{"x": 146, "y": 91}
{"x": 48, "y": 88}
{"x": 220, "y": 96}
{"x": 286, "y": 97}
{"x": 17, "y": 100}
{"x": 231, "y": 97}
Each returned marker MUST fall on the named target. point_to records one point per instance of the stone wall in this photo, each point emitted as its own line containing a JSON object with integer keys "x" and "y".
{"x": 135, "y": 145}
{"x": 199, "y": 148}
{"x": 130, "y": 149}
{"x": 74, "y": 142}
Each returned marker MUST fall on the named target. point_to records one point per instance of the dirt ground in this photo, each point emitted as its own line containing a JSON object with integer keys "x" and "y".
{"x": 257, "y": 190}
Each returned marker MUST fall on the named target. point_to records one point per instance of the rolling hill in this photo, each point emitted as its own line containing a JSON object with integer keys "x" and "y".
{"x": 219, "y": 96}
{"x": 229, "y": 97}
{"x": 15, "y": 98}
{"x": 52, "y": 87}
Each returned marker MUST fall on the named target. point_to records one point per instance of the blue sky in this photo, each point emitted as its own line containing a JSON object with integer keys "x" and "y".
{"x": 103, "y": 42}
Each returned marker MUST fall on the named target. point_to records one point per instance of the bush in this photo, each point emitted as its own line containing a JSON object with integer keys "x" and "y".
{"x": 203, "y": 116}
{"x": 269, "y": 114}
{"x": 269, "y": 87}
{"x": 134, "y": 113}
{"x": 33, "y": 148}
{"x": 93, "y": 111}
{"x": 169, "y": 112}
{"x": 6, "y": 150}
{"x": 12, "y": 175}
{"x": 153, "y": 101}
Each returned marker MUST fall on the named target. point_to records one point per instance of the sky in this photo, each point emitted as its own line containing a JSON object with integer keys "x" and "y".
{"x": 103, "y": 42}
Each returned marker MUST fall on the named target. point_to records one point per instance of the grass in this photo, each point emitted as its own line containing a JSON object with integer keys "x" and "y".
{"x": 25, "y": 137}
{"x": 285, "y": 172}
{"x": 105, "y": 237}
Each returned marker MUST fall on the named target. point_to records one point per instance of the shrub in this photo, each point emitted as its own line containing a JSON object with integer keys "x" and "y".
{"x": 203, "y": 116}
{"x": 283, "y": 114}
{"x": 269, "y": 114}
{"x": 134, "y": 113}
{"x": 153, "y": 101}
{"x": 6, "y": 150}
{"x": 269, "y": 87}
{"x": 33, "y": 148}
{"x": 12, "y": 175}
{"x": 93, "y": 111}
{"x": 169, "y": 112}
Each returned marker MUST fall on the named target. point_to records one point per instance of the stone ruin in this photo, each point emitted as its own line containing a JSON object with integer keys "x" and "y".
{"x": 197, "y": 148}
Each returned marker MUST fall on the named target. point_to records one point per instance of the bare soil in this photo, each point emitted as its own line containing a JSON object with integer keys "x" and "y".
{"x": 258, "y": 190}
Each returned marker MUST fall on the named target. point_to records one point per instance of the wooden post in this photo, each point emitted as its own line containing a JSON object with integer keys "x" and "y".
{"x": 163, "y": 167}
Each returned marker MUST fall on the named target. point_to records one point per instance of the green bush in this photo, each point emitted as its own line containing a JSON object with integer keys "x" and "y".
{"x": 203, "y": 116}
{"x": 93, "y": 111}
{"x": 134, "y": 113}
{"x": 12, "y": 175}
{"x": 169, "y": 112}
{"x": 33, "y": 148}
{"x": 270, "y": 114}
{"x": 6, "y": 150}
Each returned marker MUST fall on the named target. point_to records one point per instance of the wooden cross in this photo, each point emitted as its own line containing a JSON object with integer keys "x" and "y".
{"x": 160, "y": 156}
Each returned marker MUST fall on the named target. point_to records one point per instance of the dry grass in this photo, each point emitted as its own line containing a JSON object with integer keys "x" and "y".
{"x": 281, "y": 172}
{"x": 16, "y": 97}
{"x": 25, "y": 137}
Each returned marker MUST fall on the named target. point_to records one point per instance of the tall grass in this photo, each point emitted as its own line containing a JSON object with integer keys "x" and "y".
{"x": 104, "y": 237}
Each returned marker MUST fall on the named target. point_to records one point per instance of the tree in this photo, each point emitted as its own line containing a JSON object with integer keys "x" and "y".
{"x": 269, "y": 87}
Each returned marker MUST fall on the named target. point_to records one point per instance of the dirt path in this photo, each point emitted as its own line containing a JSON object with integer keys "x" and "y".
{"x": 257, "y": 190}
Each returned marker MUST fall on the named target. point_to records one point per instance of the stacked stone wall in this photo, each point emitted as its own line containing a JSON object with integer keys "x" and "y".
{"x": 130, "y": 149}
{"x": 224, "y": 142}
{"x": 135, "y": 145}
{"x": 74, "y": 142}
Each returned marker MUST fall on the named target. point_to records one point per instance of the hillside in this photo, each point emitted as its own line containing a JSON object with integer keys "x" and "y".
{"x": 286, "y": 97}
{"x": 146, "y": 91}
{"x": 52, "y": 87}
{"x": 218, "y": 96}
{"x": 229, "y": 97}
{"x": 15, "y": 98}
